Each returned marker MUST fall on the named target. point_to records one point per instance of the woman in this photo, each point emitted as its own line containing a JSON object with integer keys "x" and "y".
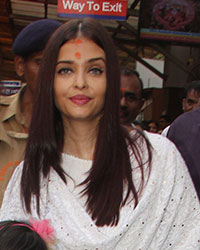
{"x": 153, "y": 126}
{"x": 101, "y": 187}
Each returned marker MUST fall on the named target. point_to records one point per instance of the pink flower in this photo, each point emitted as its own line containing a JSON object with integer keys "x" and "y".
{"x": 44, "y": 229}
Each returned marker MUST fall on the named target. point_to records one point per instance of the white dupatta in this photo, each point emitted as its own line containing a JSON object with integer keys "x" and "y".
{"x": 167, "y": 216}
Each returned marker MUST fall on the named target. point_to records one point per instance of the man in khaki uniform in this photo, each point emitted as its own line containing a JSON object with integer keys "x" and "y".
{"x": 16, "y": 110}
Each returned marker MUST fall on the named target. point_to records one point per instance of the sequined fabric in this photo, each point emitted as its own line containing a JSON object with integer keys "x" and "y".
{"x": 167, "y": 216}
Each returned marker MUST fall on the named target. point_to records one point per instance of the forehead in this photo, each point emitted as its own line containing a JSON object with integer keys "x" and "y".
{"x": 35, "y": 55}
{"x": 131, "y": 83}
{"x": 152, "y": 124}
{"x": 193, "y": 94}
{"x": 84, "y": 47}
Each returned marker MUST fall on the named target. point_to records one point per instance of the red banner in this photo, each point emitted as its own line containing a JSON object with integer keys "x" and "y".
{"x": 101, "y": 9}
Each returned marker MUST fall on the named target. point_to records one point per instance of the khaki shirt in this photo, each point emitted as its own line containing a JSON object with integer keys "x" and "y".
{"x": 13, "y": 137}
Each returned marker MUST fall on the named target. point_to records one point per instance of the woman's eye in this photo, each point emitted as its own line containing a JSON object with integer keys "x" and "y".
{"x": 96, "y": 71}
{"x": 64, "y": 71}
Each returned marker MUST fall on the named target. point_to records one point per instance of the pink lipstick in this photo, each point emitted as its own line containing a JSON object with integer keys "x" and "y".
{"x": 80, "y": 99}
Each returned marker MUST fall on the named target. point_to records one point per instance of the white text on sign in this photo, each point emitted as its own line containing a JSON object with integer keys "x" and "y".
{"x": 92, "y": 6}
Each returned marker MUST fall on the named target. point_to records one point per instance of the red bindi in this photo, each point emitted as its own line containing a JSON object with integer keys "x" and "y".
{"x": 78, "y": 55}
{"x": 77, "y": 41}
{"x": 123, "y": 90}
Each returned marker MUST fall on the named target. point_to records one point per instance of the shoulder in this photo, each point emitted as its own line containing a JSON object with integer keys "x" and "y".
{"x": 16, "y": 176}
{"x": 187, "y": 118}
{"x": 12, "y": 206}
{"x": 7, "y": 100}
{"x": 167, "y": 163}
{"x": 185, "y": 125}
{"x": 9, "y": 104}
{"x": 15, "y": 180}
{"x": 159, "y": 142}
{"x": 18, "y": 171}
{"x": 165, "y": 155}
{"x": 166, "y": 167}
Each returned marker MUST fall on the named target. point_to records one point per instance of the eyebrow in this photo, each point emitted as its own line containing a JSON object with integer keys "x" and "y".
{"x": 128, "y": 93}
{"x": 89, "y": 61}
{"x": 97, "y": 59}
{"x": 192, "y": 100}
{"x": 38, "y": 59}
{"x": 64, "y": 61}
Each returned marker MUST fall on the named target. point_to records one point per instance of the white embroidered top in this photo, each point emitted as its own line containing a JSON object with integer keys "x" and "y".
{"x": 167, "y": 216}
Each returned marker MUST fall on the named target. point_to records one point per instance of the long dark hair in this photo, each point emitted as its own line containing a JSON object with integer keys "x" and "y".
{"x": 111, "y": 171}
{"x": 17, "y": 235}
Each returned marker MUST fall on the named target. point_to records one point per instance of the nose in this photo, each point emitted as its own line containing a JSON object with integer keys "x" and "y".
{"x": 123, "y": 101}
{"x": 80, "y": 81}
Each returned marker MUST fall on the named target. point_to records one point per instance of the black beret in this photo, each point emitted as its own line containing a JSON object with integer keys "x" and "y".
{"x": 34, "y": 37}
